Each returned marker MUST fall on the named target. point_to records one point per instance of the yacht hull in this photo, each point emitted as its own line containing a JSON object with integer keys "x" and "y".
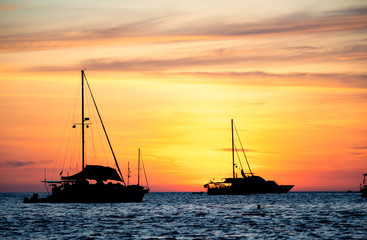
{"x": 241, "y": 186}
{"x": 92, "y": 193}
{"x": 244, "y": 190}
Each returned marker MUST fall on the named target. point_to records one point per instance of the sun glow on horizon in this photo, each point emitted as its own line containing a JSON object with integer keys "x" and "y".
{"x": 168, "y": 78}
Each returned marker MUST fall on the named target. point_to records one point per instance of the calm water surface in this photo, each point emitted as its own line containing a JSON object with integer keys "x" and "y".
{"x": 295, "y": 215}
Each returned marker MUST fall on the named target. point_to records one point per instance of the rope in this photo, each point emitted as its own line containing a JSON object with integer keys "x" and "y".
{"x": 69, "y": 117}
{"x": 145, "y": 175}
{"x": 242, "y": 149}
{"x": 96, "y": 128}
{"x": 104, "y": 129}
{"x": 238, "y": 156}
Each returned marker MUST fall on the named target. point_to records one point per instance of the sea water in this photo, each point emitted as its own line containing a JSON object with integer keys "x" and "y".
{"x": 295, "y": 215}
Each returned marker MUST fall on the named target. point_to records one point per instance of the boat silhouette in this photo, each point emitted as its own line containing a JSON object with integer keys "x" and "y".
{"x": 363, "y": 187}
{"x": 108, "y": 184}
{"x": 247, "y": 183}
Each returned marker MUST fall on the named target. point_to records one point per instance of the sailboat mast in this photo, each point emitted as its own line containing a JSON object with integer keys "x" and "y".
{"x": 128, "y": 173}
{"x": 139, "y": 168}
{"x": 233, "y": 173}
{"x": 83, "y": 151}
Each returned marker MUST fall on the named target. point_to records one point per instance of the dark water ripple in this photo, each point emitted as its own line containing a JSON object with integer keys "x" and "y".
{"x": 188, "y": 216}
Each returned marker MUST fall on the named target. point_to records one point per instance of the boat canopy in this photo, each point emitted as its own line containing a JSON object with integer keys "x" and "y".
{"x": 256, "y": 179}
{"x": 95, "y": 172}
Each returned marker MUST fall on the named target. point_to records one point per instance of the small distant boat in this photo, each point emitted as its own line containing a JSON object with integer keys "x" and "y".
{"x": 247, "y": 183}
{"x": 78, "y": 189}
{"x": 363, "y": 187}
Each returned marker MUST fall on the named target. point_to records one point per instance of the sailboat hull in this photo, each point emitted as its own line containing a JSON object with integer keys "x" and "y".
{"x": 92, "y": 193}
{"x": 364, "y": 191}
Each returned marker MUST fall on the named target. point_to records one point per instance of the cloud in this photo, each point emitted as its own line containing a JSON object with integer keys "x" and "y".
{"x": 296, "y": 23}
{"x": 173, "y": 66}
{"x": 140, "y": 31}
{"x": 9, "y": 7}
{"x": 301, "y": 22}
{"x": 145, "y": 65}
{"x": 220, "y": 57}
{"x": 303, "y": 48}
{"x": 360, "y": 148}
{"x": 18, "y": 163}
{"x": 144, "y": 27}
{"x": 359, "y": 151}
{"x": 288, "y": 79}
{"x": 238, "y": 150}
{"x": 15, "y": 163}
{"x": 159, "y": 29}
{"x": 349, "y": 12}
{"x": 247, "y": 150}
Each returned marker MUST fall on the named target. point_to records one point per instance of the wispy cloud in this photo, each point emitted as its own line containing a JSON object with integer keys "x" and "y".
{"x": 237, "y": 150}
{"x": 349, "y": 12}
{"x": 156, "y": 29}
{"x": 173, "y": 66}
{"x": 247, "y": 150}
{"x": 226, "y": 59}
{"x": 299, "y": 23}
{"x": 290, "y": 79}
{"x": 16, "y": 163}
{"x": 361, "y": 148}
{"x": 233, "y": 55}
{"x": 9, "y": 7}
{"x": 123, "y": 33}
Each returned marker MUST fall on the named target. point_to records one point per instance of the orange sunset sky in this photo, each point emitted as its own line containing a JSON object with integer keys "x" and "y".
{"x": 169, "y": 75}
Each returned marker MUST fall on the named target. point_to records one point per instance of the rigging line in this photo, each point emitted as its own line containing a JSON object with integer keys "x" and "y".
{"x": 77, "y": 135}
{"x": 104, "y": 129}
{"x": 145, "y": 174}
{"x": 69, "y": 117}
{"x": 238, "y": 156}
{"x": 66, "y": 151}
{"x": 71, "y": 132}
{"x": 239, "y": 139}
{"x": 223, "y": 163}
{"x": 98, "y": 130}
{"x": 46, "y": 184}
{"x": 102, "y": 145}
{"x": 94, "y": 146}
{"x": 72, "y": 135}
{"x": 91, "y": 135}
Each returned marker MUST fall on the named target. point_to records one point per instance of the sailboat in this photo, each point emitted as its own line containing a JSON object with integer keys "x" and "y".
{"x": 94, "y": 183}
{"x": 247, "y": 183}
{"x": 363, "y": 187}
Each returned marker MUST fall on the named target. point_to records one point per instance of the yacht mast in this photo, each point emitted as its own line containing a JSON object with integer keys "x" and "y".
{"x": 83, "y": 150}
{"x": 233, "y": 173}
{"x": 139, "y": 168}
{"x": 128, "y": 173}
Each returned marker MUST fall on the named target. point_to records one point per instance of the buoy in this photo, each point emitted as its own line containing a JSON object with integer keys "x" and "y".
{"x": 258, "y": 206}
